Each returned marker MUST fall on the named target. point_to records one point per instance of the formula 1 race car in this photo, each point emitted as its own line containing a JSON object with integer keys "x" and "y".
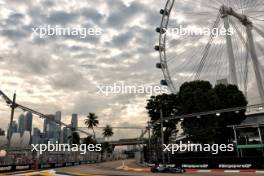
{"x": 164, "y": 169}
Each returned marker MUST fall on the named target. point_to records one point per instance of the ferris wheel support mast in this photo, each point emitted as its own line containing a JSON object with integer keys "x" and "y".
{"x": 228, "y": 11}
{"x": 230, "y": 51}
{"x": 255, "y": 63}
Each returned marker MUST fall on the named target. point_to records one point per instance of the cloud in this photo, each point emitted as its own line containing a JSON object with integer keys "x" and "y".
{"x": 122, "y": 40}
{"x": 125, "y": 14}
{"x": 92, "y": 14}
{"x": 66, "y": 79}
{"x": 15, "y": 18}
{"x": 61, "y": 17}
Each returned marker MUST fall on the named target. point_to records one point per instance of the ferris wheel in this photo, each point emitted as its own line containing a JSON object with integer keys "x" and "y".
{"x": 214, "y": 40}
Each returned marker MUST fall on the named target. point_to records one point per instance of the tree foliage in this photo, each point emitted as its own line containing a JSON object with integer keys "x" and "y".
{"x": 108, "y": 131}
{"x": 107, "y": 148}
{"x": 200, "y": 96}
{"x": 91, "y": 121}
{"x": 89, "y": 140}
{"x": 169, "y": 105}
{"x": 75, "y": 138}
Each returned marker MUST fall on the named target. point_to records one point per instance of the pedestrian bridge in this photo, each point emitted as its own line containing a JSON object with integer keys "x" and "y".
{"x": 122, "y": 142}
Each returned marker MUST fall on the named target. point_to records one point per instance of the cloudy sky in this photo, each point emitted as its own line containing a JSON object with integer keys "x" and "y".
{"x": 62, "y": 73}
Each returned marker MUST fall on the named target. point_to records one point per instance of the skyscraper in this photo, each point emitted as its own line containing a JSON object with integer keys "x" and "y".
{"x": 12, "y": 127}
{"x": 58, "y": 135}
{"x": 21, "y": 124}
{"x": 36, "y": 131}
{"x": 36, "y": 136}
{"x": 51, "y": 129}
{"x": 2, "y": 132}
{"x": 58, "y": 116}
{"x": 28, "y": 122}
{"x": 66, "y": 133}
{"x": 49, "y": 126}
{"x": 74, "y": 121}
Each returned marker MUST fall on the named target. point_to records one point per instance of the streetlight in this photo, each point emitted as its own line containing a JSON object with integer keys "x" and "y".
{"x": 162, "y": 136}
{"x": 218, "y": 114}
{"x": 149, "y": 141}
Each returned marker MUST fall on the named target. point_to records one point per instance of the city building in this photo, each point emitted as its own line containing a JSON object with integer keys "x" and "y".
{"x": 58, "y": 135}
{"x": 58, "y": 116}
{"x": 74, "y": 121}
{"x": 66, "y": 134}
{"x": 28, "y": 122}
{"x": 36, "y": 136}
{"x": 249, "y": 134}
{"x": 42, "y": 139}
{"x": 13, "y": 127}
{"x": 21, "y": 124}
{"x": 49, "y": 127}
{"x": 2, "y": 132}
{"x": 254, "y": 118}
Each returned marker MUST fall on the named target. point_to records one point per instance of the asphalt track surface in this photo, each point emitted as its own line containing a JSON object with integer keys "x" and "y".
{"x": 113, "y": 169}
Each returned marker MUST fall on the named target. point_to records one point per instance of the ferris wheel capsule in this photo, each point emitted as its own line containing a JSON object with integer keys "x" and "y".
{"x": 160, "y": 30}
{"x": 159, "y": 65}
{"x": 158, "y": 48}
{"x": 163, "y": 82}
{"x": 164, "y": 12}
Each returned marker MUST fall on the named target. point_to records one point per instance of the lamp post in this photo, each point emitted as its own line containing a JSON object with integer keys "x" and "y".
{"x": 149, "y": 142}
{"x": 235, "y": 136}
{"x": 261, "y": 140}
{"x": 162, "y": 136}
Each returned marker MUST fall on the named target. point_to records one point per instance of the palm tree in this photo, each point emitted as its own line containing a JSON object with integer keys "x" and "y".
{"x": 75, "y": 138}
{"x": 89, "y": 140}
{"x": 91, "y": 122}
{"x": 108, "y": 131}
